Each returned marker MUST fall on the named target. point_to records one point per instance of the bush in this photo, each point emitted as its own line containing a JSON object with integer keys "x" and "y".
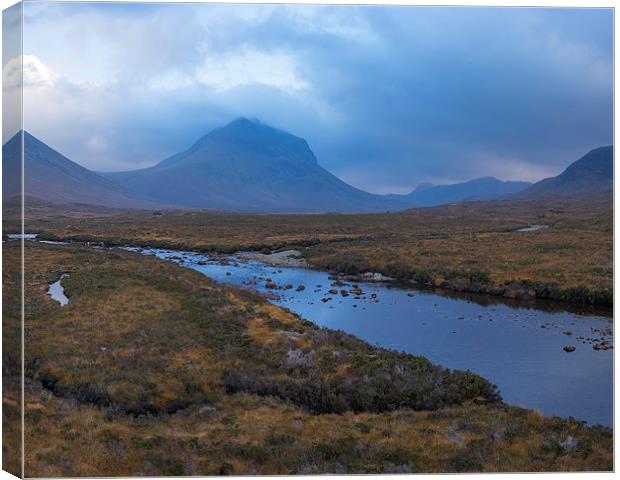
{"x": 382, "y": 382}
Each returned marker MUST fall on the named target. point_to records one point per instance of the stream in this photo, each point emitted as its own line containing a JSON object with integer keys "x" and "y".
{"x": 518, "y": 347}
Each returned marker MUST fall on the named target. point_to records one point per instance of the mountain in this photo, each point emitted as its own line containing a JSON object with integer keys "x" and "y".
{"x": 486, "y": 188}
{"x": 53, "y": 177}
{"x": 594, "y": 172}
{"x": 249, "y": 166}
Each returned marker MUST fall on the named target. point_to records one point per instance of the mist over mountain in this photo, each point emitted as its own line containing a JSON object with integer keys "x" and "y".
{"x": 51, "y": 176}
{"x": 486, "y": 188}
{"x": 249, "y": 166}
{"x": 593, "y": 172}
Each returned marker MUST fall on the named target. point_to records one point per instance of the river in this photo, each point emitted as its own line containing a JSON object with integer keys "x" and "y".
{"x": 517, "y": 347}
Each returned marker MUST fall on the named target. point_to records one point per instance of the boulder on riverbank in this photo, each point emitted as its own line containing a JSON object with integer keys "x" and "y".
{"x": 375, "y": 277}
{"x": 285, "y": 258}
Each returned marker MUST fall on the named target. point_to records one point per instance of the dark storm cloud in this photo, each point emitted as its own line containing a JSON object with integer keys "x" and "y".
{"x": 387, "y": 97}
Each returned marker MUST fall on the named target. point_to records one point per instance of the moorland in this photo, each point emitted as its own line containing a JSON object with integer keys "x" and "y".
{"x": 470, "y": 246}
{"x": 168, "y": 373}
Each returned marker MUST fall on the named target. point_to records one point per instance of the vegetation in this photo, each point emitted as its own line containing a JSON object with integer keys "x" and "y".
{"x": 168, "y": 373}
{"x": 11, "y": 361}
{"x": 471, "y": 247}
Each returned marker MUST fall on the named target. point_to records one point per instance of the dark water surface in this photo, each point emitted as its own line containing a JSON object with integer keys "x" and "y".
{"x": 520, "y": 349}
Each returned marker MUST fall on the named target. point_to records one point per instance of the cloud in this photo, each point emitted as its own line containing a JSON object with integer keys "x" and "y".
{"x": 97, "y": 144}
{"x": 333, "y": 21}
{"x": 27, "y": 70}
{"x": 11, "y": 94}
{"x": 12, "y": 73}
{"x": 387, "y": 97}
{"x": 251, "y": 66}
{"x": 246, "y": 66}
{"x": 171, "y": 80}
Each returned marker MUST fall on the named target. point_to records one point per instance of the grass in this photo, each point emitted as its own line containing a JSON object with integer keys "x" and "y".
{"x": 471, "y": 247}
{"x": 167, "y": 373}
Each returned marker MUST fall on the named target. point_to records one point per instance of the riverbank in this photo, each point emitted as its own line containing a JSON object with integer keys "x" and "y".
{"x": 397, "y": 274}
{"x": 284, "y": 258}
{"x": 473, "y": 247}
{"x": 169, "y": 373}
{"x": 294, "y": 259}
{"x": 475, "y": 282}
{"x": 533, "y": 335}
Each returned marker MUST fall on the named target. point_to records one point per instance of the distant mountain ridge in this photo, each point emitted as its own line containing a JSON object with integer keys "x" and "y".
{"x": 591, "y": 173}
{"x": 486, "y": 188}
{"x": 51, "y": 176}
{"x": 249, "y": 166}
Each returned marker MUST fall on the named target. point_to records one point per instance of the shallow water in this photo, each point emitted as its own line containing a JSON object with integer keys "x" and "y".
{"x": 520, "y": 349}
{"x": 57, "y": 291}
{"x": 19, "y": 236}
{"x": 532, "y": 228}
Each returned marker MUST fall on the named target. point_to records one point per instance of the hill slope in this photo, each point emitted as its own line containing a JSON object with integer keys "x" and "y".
{"x": 486, "y": 188}
{"x": 249, "y": 166}
{"x": 53, "y": 177}
{"x": 593, "y": 172}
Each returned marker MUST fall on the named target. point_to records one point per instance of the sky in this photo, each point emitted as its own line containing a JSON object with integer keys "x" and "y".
{"x": 387, "y": 97}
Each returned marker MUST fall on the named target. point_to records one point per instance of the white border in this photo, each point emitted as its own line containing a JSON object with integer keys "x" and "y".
{"x": 482, "y": 3}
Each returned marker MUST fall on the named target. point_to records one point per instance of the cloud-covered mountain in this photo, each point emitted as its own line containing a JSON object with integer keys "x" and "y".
{"x": 486, "y": 188}
{"x": 249, "y": 166}
{"x": 51, "y": 176}
{"x": 594, "y": 172}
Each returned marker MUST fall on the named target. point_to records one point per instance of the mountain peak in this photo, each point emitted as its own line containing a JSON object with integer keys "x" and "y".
{"x": 484, "y": 188}
{"x": 242, "y": 128}
{"x": 249, "y": 126}
{"x": 53, "y": 177}
{"x": 16, "y": 138}
{"x": 247, "y": 165}
{"x": 422, "y": 186}
{"x": 28, "y": 138}
{"x": 244, "y": 122}
{"x": 245, "y": 139}
{"x": 592, "y": 172}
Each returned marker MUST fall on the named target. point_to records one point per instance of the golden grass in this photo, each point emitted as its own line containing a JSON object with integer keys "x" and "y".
{"x": 472, "y": 246}
{"x": 153, "y": 401}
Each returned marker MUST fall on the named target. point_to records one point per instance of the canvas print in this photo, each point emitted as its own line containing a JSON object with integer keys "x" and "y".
{"x": 285, "y": 239}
